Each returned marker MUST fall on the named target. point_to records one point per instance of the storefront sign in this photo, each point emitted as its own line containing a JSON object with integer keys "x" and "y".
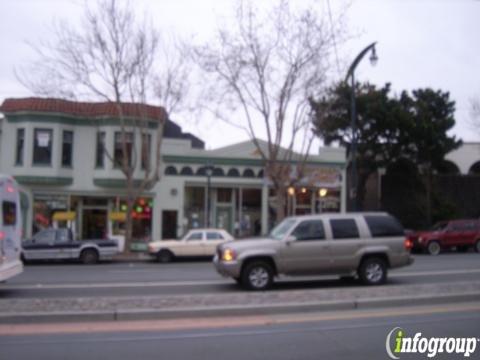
{"x": 64, "y": 216}
{"x": 117, "y": 216}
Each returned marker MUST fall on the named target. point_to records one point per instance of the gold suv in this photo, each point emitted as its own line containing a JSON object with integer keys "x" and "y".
{"x": 349, "y": 244}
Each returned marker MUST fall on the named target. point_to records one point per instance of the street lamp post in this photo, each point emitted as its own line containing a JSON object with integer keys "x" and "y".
{"x": 353, "y": 150}
{"x": 209, "y": 172}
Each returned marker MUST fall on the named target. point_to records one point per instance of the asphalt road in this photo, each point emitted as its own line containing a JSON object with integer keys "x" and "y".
{"x": 149, "y": 278}
{"x": 342, "y": 335}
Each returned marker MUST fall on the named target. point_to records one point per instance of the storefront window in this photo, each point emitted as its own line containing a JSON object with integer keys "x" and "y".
{"x": 328, "y": 201}
{"x": 224, "y": 195}
{"x": 250, "y": 222}
{"x": 44, "y": 208}
{"x": 194, "y": 207}
{"x": 142, "y": 218}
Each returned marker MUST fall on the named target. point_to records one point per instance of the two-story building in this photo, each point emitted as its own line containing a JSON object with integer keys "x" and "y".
{"x": 65, "y": 156}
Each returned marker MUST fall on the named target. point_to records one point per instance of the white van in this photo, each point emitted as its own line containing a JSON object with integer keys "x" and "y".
{"x": 10, "y": 228}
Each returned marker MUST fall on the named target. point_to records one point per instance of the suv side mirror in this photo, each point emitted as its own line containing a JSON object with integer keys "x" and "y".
{"x": 289, "y": 239}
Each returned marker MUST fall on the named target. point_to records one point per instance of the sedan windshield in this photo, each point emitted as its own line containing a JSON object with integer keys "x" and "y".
{"x": 279, "y": 231}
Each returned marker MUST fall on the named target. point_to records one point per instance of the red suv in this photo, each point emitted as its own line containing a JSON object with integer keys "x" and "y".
{"x": 460, "y": 234}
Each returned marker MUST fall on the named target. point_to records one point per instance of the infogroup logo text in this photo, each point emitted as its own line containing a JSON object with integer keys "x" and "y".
{"x": 397, "y": 343}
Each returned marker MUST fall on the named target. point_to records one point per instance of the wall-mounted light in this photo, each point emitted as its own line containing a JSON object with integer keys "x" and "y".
{"x": 322, "y": 192}
{"x": 173, "y": 192}
{"x": 291, "y": 191}
{"x": 304, "y": 190}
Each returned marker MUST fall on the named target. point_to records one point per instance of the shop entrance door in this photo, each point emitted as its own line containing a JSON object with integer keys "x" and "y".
{"x": 94, "y": 225}
{"x": 224, "y": 218}
{"x": 169, "y": 224}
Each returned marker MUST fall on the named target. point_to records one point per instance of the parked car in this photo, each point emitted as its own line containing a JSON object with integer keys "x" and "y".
{"x": 59, "y": 244}
{"x": 195, "y": 243}
{"x": 461, "y": 234}
{"x": 363, "y": 244}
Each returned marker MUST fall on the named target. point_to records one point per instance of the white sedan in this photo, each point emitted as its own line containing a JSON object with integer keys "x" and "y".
{"x": 195, "y": 243}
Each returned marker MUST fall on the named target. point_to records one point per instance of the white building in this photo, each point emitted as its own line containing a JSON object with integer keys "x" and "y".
{"x": 55, "y": 150}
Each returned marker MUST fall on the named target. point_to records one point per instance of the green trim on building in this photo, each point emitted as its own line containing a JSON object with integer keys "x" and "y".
{"x": 44, "y": 180}
{"x": 114, "y": 183}
{"x": 65, "y": 119}
{"x": 203, "y": 160}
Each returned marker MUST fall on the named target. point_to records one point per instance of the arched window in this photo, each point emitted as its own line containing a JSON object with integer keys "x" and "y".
{"x": 448, "y": 168}
{"x": 248, "y": 173}
{"x": 233, "y": 173}
{"x": 171, "y": 170}
{"x": 474, "y": 169}
{"x": 218, "y": 172}
{"x": 187, "y": 170}
{"x": 201, "y": 171}
{"x": 260, "y": 174}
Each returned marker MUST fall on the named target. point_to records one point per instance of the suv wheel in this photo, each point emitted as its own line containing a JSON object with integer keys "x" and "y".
{"x": 373, "y": 271}
{"x": 89, "y": 257}
{"x": 433, "y": 248}
{"x": 257, "y": 275}
{"x": 164, "y": 256}
{"x": 477, "y": 246}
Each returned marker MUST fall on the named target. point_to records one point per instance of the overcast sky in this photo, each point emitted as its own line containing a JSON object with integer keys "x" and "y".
{"x": 421, "y": 43}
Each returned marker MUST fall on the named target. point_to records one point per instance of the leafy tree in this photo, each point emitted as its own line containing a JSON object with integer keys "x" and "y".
{"x": 388, "y": 127}
{"x": 380, "y": 119}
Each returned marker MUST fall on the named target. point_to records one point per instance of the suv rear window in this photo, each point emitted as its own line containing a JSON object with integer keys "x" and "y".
{"x": 9, "y": 210}
{"x": 344, "y": 228}
{"x": 381, "y": 226}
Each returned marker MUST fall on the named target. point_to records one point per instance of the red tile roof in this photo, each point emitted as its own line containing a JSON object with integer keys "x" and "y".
{"x": 83, "y": 109}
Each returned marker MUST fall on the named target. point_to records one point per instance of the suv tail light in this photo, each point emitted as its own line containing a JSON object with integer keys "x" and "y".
{"x": 2, "y": 235}
{"x": 408, "y": 243}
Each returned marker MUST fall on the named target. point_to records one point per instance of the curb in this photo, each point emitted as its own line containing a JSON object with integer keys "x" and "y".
{"x": 244, "y": 310}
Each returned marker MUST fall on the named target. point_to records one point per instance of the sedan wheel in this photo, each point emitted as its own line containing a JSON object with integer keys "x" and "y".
{"x": 433, "y": 248}
{"x": 89, "y": 256}
{"x": 164, "y": 256}
{"x": 257, "y": 276}
{"x": 477, "y": 246}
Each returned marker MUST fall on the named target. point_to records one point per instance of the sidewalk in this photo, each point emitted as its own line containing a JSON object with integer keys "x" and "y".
{"x": 238, "y": 303}
{"x": 139, "y": 256}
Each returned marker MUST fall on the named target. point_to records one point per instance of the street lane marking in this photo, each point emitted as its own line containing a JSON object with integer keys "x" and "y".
{"x": 214, "y": 282}
{"x": 435, "y": 272}
{"x": 218, "y": 323}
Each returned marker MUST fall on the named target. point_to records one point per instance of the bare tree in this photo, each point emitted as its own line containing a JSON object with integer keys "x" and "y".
{"x": 264, "y": 67}
{"x": 111, "y": 57}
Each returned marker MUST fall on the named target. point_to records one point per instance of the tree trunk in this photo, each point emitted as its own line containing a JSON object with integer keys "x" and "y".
{"x": 280, "y": 203}
{"x": 361, "y": 190}
{"x": 129, "y": 226}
